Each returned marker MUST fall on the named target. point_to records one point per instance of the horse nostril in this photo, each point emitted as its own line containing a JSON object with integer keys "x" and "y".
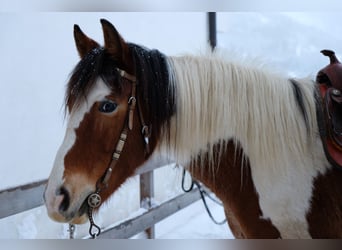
{"x": 66, "y": 199}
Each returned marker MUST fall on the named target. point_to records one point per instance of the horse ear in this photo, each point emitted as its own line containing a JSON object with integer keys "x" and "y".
{"x": 114, "y": 43}
{"x": 84, "y": 44}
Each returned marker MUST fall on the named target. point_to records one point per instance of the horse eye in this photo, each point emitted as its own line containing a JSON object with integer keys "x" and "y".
{"x": 107, "y": 106}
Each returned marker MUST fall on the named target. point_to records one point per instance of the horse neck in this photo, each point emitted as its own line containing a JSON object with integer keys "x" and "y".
{"x": 217, "y": 100}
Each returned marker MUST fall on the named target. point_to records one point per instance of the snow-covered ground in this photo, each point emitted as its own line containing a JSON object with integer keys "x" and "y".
{"x": 194, "y": 223}
{"x": 37, "y": 54}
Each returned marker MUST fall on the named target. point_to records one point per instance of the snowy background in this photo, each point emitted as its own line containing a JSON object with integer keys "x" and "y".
{"x": 37, "y": 54}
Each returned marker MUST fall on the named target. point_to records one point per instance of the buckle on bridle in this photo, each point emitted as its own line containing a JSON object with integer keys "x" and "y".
{"x": 146, "y": 132}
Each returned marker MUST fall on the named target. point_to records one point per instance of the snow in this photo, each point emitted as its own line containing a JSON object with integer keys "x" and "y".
{"x": 194, "y": 223}
{"x": 37, "y": 55}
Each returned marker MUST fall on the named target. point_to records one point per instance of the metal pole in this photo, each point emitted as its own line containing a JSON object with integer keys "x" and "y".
{"x": 212, "y": 29}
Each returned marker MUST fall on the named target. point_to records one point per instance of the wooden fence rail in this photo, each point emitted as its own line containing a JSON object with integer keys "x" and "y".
{"x": 21, "y": 198}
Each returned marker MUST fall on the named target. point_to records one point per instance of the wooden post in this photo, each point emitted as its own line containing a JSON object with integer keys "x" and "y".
{"x": 146, "y": 196}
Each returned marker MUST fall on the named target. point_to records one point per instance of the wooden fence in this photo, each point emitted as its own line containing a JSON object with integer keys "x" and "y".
{"x": 21, "y": 198}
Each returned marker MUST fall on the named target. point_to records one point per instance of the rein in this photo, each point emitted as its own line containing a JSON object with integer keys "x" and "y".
{"x": 202, "y": 193}
{"x": 94, "y": 200}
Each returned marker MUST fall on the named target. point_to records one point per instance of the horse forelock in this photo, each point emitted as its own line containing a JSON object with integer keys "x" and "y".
{"x": 97, "y": 63}
{"x": 154, "y": 80}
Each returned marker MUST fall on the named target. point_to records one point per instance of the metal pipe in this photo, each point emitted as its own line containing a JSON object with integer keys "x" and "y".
{"x": 212, "y": 29}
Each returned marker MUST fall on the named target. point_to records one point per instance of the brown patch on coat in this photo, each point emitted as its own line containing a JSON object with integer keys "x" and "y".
{"x": 325, "y": 215}
{"x": 233, "y": 184}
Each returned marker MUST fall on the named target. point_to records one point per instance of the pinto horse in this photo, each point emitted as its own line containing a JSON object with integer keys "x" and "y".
{"x": 248, "y": 134}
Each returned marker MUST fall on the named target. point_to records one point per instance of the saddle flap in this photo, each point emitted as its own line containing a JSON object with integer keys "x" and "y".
{"x": 333, "y": 100}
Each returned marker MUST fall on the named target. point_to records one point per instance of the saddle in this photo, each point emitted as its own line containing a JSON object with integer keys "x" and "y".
{"x": 329, "y": 81}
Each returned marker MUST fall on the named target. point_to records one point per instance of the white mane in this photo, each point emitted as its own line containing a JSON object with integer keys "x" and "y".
{"x": 218, "y": 100}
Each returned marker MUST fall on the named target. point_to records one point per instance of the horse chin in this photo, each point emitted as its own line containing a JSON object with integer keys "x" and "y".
{"x": 82, "y": 216}
{"x": 80, "y": 220}
{"x": 77, "y": 216}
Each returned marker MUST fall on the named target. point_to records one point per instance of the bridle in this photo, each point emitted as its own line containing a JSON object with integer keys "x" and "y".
{"x": 94, "y": 200}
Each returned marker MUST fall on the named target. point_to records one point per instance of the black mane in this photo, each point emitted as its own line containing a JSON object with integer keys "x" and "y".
{"x": 153, "y": 74}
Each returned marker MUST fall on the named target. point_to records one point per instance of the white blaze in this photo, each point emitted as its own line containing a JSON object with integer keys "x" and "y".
{"x": 97, "y": 93}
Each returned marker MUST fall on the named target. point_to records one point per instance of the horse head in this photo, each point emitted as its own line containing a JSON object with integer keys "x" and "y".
{"x": 103, "y": 144}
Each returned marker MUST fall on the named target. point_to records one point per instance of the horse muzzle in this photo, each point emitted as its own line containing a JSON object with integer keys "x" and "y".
{"x": 64, "y": 207}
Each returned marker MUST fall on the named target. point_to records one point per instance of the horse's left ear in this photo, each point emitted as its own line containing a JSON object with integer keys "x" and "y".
{"x": 114, "y": 43}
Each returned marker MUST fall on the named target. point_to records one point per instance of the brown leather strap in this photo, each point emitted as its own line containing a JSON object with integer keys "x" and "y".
{"x": 124, "y": 74}
{"x": 132, "y": 102}
{"x": 103, "y": 182}
{"x": 145, "y": 129}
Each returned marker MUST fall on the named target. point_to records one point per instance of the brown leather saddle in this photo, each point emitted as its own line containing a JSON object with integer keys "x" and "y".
{"x": 329, "y": 81}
